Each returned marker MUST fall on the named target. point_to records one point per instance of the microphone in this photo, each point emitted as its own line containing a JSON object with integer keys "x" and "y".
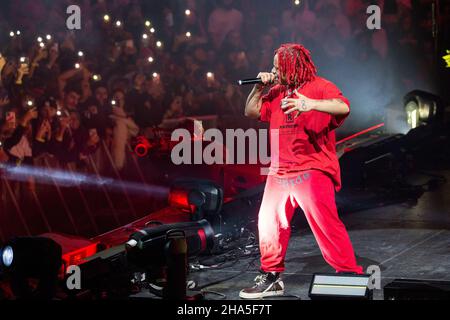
{"x": 256, "y": 81}
{"x": 250, "y": 81}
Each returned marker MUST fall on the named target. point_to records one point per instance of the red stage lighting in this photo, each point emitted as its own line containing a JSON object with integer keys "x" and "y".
{"x": 197, "y": 197}
{"x": 142, "y": 147}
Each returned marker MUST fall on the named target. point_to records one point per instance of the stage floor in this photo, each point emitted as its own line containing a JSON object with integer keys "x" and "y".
{"x": 406, "y": 241}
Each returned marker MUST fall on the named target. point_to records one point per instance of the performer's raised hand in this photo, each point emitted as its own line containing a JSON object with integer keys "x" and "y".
{"x": 300, "y": 104}
{"x": 267, "y": 78}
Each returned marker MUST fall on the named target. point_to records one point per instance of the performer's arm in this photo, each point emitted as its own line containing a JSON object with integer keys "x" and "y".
{"x": 254, "y": 99}
{"x": 303, "y": 104}
{"x": 254, "y": 102}
{"x": 334, "y": 107}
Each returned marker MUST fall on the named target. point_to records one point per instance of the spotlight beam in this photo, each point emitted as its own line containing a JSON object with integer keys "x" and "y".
{"x": 64, "y": 178}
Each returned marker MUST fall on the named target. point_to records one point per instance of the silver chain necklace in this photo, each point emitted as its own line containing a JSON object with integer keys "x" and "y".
{"x": 290, "y": 92}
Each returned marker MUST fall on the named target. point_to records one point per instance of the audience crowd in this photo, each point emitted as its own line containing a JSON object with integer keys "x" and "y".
{"x": 135, "y": 64}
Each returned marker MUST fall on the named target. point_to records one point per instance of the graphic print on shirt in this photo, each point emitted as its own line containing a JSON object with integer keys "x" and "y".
{"x": 286, "y": 123}
{"x": 289, "y": 118}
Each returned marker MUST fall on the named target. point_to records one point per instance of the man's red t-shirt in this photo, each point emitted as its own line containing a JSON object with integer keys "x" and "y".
{"x": 307, "y": 142}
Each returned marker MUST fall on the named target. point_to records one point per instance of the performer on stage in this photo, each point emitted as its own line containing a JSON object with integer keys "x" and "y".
{"x": 303, "y": 110}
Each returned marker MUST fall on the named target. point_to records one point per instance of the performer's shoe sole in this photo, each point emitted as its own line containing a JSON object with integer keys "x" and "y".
{"x": 258, "y": 295}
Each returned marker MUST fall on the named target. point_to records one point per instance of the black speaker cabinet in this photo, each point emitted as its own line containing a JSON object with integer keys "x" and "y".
{"x": 410, "y": 289}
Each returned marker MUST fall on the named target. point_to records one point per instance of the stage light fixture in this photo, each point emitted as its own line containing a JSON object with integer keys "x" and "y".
{"x": 27, "y": 258}
{"x": 422, "y": 108}
{"x": 30, "y": 255}
{"x": 106, "y": 18}
{"x": 200, "y": 198}
{"x": 7, "y": 256}
{"x": 187, "y": 12}
{"x": 188, "y": 34}
{"x": 152, "y": 30}
{"x": 150, "y": 59}
{"x": 159, "y": 44}
{"x": 144, "y": 36}
{"x": 158, "y": 253}
{"x": 148, "y": 23}
{"x": 48, "y": 37}
{"x": 142, "y": 146}
{"x": 340, "y": 286}
{"x": 39, "y": 39}
{"x": 146, "y": 247}
{"x": 12, "y": 34}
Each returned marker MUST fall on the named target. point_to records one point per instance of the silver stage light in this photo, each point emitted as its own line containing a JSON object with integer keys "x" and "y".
{"x": 340, "y": 286}
{"x": 422, "y": 108}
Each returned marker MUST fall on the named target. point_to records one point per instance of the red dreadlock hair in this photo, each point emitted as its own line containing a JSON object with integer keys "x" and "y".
{"x": 295, "y": 63}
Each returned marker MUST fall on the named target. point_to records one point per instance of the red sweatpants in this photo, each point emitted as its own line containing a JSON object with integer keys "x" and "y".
{"x": 313, "y": 191}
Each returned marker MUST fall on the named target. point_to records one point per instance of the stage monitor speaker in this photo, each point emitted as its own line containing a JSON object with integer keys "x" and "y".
{"x": 340, "y": 286}
{"x": 410, "y": 289}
